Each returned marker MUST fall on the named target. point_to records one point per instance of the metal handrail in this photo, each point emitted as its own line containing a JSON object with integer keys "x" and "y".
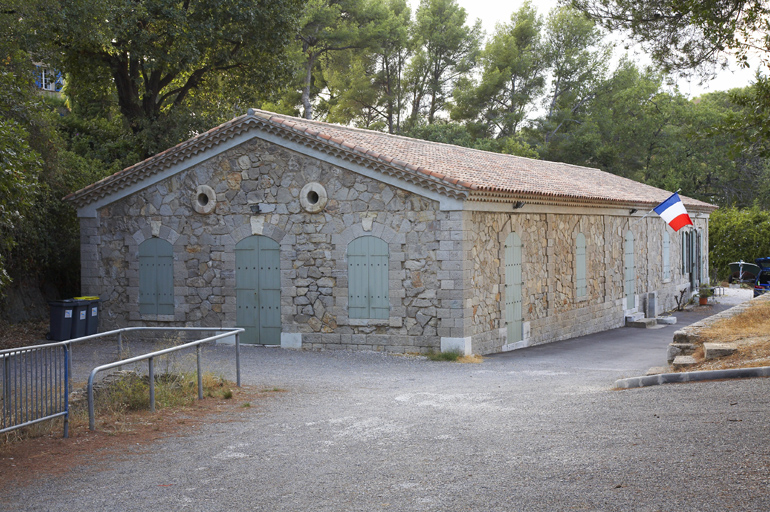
{"x": 228, "y": 332}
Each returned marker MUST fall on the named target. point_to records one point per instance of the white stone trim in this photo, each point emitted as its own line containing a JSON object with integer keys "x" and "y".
{"x": 321, "y": 197}
{"x": 464, "y": 345}
{"x": 291, "y": 340}
{"x": 210, "y": 196}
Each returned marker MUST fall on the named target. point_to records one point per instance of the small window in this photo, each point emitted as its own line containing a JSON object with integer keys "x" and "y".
{"x": 156, "y": 277}
{"x": 581, "y": 288}
{"x": 666, "y": 256}
{"x": 368, "y": 278}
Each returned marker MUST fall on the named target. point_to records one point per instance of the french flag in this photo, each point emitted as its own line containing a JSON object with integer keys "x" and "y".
{"x": 672, "y": 211}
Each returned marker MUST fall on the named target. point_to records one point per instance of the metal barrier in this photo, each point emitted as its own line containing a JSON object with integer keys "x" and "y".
{"x": 35, "y": 385}
{"x": 36, "y": 379}
{"x": 151, "y": 368}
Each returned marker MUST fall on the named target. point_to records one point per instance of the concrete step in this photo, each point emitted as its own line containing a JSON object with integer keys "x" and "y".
{"x": 716, "y": 350}
{"x": 634, "y": 317}
{"x": 643, "y": 323}
{"x": 683, "y": 361}
{"x": 657, "y": 370}
{"x": 666, "y": 320}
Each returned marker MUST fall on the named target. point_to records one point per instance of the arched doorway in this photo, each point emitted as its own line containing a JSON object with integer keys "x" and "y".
{"x": 258, "y": 290}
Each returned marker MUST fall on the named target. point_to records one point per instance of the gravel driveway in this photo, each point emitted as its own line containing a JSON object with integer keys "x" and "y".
{"x": 535, "y": 429}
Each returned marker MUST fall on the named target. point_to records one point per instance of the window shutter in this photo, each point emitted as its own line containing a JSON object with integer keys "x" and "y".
{"x": 368, "y": 278}
{"x": 580, "y": 266}
{"x": 156, "y": 277}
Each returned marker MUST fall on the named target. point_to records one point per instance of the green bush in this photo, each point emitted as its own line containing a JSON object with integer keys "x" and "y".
{"x": 737, "y": 234}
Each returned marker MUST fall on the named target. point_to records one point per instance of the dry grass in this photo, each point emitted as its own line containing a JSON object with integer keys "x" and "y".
{"x": 750, "y": 331}
{"x": 473, "y": 358}
{"x": 22, "y": 334}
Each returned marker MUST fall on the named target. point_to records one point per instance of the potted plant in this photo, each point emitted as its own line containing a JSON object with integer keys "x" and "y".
{"x": 704, "y": 293}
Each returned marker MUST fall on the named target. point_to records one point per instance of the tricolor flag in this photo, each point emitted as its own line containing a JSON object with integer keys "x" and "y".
{"x": 672, "y": 211}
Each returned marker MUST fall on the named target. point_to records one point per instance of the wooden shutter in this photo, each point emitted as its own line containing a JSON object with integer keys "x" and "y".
{"x": 630, "y": 271}
{"x": 581, "y": 287}
{"x": 156, "y": 277}
{"x": 368, "y": 278}
{"x": 666, "y": 256}
{"x": 513, "y": 285}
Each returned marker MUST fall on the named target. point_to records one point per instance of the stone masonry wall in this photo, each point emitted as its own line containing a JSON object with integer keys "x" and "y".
{"x": 551, "y": 309}
{"x": 425, "y": 274}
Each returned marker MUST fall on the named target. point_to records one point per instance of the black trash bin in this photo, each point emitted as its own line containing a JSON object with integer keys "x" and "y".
{"x": 79, "y": 316}
{"x": 62, "y": 316}
{"x": 92, "y": 314}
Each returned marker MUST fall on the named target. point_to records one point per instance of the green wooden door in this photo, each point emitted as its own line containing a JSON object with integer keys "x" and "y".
{"x": 368, "y": 295}
{"x": 156, "y": 277}
{"x": 629, "y": 281}
{"x": 513, "y": 285}
{"x": 258, "y": 290}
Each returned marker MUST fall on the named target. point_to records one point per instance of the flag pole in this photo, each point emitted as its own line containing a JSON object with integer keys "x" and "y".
{"x": 646, "y": 214}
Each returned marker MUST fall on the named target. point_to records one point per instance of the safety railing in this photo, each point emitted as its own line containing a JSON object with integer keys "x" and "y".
{"x": 35, "y": 385}
{"x": 152, "y": 355}
{"x": 35, "y": 380}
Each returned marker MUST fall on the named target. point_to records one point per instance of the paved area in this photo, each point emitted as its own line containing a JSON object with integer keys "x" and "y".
{"x": 535, "y": 429}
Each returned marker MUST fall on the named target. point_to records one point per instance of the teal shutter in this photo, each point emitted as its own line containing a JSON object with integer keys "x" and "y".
{"x": 630, "y": 271}
{"x": 368, "y": 278}
{"x": 156, "y": 277}
{"x": 581, "y": 287}
{"x": 513, "y": 285}
{"x": 666, "y": 256}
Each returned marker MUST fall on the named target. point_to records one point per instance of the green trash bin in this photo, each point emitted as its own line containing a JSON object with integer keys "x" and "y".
{"x": 62, "y": 315}
{"x": 92, "y": 314}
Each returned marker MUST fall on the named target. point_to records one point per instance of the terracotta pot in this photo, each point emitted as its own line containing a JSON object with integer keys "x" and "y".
{"x": 703, "y": 301}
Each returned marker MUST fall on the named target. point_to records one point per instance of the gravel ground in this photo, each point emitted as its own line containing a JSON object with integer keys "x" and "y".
{"x": 535, "y": 429}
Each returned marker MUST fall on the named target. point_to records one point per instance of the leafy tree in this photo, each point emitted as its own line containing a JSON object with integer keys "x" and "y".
{"x": 329, "y": 27}
{"x": 686, "y": 34}
{"x": 737, "y": 234}
{"x": 19, "y": 163}
{"x": 512, "y": 76}
{"x": 159, "y": 53}
{"x": 445, "y": 49}
{"x": 578, "y": 58}
{"x": 366, "y": 85}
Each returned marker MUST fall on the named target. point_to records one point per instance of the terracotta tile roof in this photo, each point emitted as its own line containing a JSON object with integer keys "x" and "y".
{"x": 477, "y": 172}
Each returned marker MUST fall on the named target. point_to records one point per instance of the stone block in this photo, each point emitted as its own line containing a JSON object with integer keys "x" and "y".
{"x": 716, "y": 350}
{"x": 683, "y": 362}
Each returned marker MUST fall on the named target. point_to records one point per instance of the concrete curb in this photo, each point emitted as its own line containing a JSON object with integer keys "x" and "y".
{"x": 669, "y": 378}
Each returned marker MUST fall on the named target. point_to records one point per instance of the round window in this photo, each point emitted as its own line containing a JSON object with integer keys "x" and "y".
{"x": 313, "y": 197}
{"x": 205, "y": 200}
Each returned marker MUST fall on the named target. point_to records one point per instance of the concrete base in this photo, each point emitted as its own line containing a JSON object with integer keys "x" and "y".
{"x": 291, "y": 340}
{"x": 666, "y": 320}
{"x": 515, "y": 346}
{"x": 463, "y": 345}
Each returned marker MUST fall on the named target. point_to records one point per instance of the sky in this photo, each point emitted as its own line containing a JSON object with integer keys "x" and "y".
{"x": 490, "y": 12}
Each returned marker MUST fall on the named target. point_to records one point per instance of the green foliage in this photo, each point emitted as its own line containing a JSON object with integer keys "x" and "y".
{"x": 687, "y": 35}
{"x": 169, "y": 61}
{"x": 449, "y": 355}
{"x": 737, "y": 234}
{"x": 445, "y": 49}
{"x": 512, "y": 76}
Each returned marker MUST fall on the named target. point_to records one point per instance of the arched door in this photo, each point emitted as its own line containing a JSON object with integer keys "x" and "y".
{"x": 629, "y": 281}
{"x": 513, "y": 285}
{"x": 258, "y": 290}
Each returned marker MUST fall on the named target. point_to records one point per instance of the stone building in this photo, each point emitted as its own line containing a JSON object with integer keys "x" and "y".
{"x": 314, "y": 235}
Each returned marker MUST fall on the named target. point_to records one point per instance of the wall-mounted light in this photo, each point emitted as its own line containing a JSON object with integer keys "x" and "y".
{"x": 518, "y": 204}
{"x": 632, "y": 211}
{"x": 254, "y": 208}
